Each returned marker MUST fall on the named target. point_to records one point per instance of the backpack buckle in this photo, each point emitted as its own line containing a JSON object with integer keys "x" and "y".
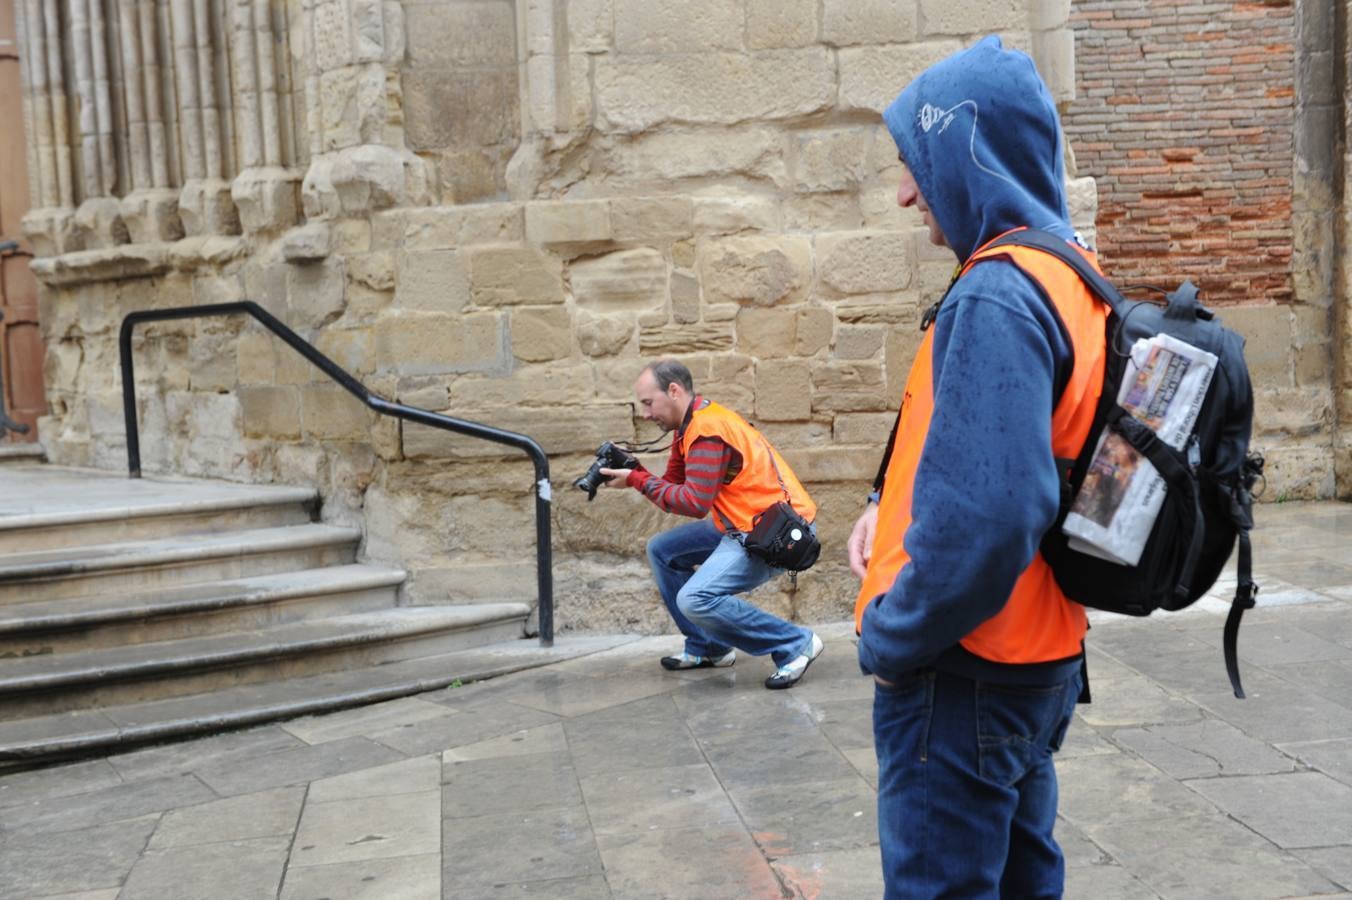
{"x": 930, "y": 315}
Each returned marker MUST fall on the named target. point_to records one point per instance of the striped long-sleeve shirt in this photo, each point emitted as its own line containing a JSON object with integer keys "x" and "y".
{"x": 689, "y": 485}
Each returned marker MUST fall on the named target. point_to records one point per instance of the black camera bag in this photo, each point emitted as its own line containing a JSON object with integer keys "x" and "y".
{"x": 779, "y": 535}
{"x": 783, "y": 538}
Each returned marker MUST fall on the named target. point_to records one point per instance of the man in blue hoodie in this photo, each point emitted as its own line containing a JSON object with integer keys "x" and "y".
{"x": 975, "y": 650}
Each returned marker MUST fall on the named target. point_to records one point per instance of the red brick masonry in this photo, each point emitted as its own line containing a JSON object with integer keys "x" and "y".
{"x": 1184, "y": 115}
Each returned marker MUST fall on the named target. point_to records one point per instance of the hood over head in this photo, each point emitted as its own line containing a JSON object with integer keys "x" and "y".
{"x": 981, "y": 136}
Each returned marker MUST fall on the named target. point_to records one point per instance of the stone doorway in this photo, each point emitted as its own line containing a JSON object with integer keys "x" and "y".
{"x": 21, "y": 346}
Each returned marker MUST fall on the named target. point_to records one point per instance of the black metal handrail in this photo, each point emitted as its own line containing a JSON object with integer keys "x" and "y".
{"x": 543, "y": 552}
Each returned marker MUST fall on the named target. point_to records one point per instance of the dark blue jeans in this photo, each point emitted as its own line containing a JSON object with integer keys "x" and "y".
{"x": 703, "y": 601}
{"x": 966, "y": 787}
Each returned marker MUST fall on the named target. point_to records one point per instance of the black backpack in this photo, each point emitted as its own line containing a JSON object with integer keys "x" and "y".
{"x": 1208, "y": 504}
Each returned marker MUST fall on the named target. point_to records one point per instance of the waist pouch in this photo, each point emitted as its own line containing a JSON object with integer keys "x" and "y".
{"x": 783, "y": 539}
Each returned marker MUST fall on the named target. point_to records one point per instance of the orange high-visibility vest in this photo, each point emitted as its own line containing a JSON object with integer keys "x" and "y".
{"x": 755, "y": 488}
{"x": 1038, "y": 623}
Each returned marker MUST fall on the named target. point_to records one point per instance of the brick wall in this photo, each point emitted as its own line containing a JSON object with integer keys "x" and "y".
{"x": 1184, "y": 116}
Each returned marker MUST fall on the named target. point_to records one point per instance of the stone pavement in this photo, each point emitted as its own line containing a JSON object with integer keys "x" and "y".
{"x": 606, "y": 777}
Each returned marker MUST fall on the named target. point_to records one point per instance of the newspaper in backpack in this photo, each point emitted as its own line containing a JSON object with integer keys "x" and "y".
{"x": 1208, "y": 474}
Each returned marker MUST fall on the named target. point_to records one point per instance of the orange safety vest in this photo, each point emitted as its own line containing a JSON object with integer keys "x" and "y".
{"x": 755, "y": 488}
{"x": 1038, "y": 622}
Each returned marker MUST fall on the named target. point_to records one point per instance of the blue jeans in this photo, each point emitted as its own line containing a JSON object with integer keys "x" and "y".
{"x": 703, "y": 601}
{"x": 966, "y": 787}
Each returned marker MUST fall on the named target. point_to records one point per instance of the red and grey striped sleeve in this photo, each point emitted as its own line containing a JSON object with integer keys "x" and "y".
{"x": 704, "y": 470}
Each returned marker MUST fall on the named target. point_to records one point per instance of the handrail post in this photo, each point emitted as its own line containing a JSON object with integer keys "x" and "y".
{"x": 544, "y": 554}
{"x": 544, "y": 570}
{"x": 129, "y": 398}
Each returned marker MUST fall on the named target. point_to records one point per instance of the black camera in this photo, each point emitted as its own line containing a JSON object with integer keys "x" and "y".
{"x": 608, "y": 456}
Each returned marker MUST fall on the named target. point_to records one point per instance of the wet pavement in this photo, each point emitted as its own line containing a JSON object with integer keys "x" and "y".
{"x": 606, "y": 776}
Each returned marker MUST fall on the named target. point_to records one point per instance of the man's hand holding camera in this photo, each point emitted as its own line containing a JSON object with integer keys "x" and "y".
{"x": 610, "y": 462}
{"x": 615, "y": 478}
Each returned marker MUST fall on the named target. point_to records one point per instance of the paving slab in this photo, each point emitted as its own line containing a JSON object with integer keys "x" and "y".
{"x": 506, "y": 784}
{"x": 509, "y": 848}
{"x": 833, "y": 875}
{"x": 1203, "y": 749}
{"x": 634, "y": 802}
{"x": 189, "y": 756}
{"x": 409, "y": 776}
{"x": 608, "y": 745}
{"x": 82, "y": 859}
{"x": 1122, "y": 788}
{"x": 56, "y": 781}
{"x": 1108, "y": 881}
{"x": 467, "y": 726}
{"x": 789, "y": 820}
{"x": 1206, "y": 857}
{"x": 363, "y": 720}
{"x": 110, "y": 804}
{"x": 1279, "y": 711}
{"x": 382, "y": 827}
{"x": 246, "y": 870}
{"x": 295, "y": 766}
{"x": 1334, "y": 863}
{"x": 265, "y": 814}
{"x": 1332, "y": 757}
{"x": 672, "y": 863}
{"x": 1328, "y": 678}
{"x": 589, "y": 887}
{"x": 1292, "y": 810}
{"x": 541, "y": 739}
{"x": 604, "y": 776}
{"x": 405, "y": 878}
{"x": 109, "y": 894}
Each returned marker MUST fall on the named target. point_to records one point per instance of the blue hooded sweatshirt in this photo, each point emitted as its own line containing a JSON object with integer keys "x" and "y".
{"x": 981, "y": 137}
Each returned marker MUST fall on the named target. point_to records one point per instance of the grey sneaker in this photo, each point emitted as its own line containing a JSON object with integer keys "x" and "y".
{"x": 789, "y": 674}
{"x": 686, "y": 661}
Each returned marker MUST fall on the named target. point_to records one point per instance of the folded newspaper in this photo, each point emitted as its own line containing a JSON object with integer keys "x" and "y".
{"x": 1164, "y": 385}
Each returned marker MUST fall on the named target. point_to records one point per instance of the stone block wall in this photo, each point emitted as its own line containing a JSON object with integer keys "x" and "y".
{"x": 504, "y": 220}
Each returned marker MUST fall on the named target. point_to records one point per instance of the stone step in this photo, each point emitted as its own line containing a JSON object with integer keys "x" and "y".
{"x": 53, "y": 507}
{"x": 104, "y": 620}
{"x": 128, "y": 566}
{"x": 119, "y": 675}
{"x": 21, "y": 453}
{"x": 50, "y": 737}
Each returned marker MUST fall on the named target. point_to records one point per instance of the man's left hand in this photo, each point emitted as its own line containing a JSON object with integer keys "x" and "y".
{"x": 616, "y": 478}
{"x": 860, "y": 544}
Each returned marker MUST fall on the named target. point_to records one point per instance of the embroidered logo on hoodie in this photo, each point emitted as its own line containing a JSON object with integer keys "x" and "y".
{"x": 930, "y": 114}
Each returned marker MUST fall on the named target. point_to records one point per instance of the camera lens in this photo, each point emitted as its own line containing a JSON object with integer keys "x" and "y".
{"x": 590, "y": 481}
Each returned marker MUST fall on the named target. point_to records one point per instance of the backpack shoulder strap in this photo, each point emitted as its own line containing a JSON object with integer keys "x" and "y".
{"x": 1049, "y": 243}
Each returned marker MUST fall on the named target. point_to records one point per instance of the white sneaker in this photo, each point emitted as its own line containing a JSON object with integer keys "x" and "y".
{"x": 789, "y": 674}
{"x": 688, "y": 661}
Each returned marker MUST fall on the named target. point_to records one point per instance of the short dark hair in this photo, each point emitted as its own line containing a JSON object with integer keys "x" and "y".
{"x": 667, "y": 372}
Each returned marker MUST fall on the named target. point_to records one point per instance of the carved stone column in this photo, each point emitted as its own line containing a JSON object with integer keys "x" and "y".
{"x": 98, "y": 219}
{"x": 50, "y": 225}
{"x": 265, "y": 191}
{"x": 150, "y": 209}
{"x": 205, "y": 205}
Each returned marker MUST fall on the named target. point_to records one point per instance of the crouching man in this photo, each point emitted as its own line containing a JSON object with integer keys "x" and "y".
{"x": 721, "y": 464}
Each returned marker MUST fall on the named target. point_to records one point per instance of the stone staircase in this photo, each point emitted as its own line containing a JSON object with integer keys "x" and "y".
{"x": 134, "y": 610}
